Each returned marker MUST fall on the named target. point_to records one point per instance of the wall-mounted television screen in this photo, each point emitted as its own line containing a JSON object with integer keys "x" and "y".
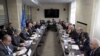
{"x": 51, "y": 13}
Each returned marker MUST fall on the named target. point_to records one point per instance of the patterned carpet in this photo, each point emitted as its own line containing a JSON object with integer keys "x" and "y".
{"x": 51, "y": 46}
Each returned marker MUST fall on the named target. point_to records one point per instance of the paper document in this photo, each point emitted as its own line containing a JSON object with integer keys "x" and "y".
{"x": 29, "y": 52}
{"x": 75, "y": 47}
{"x": 34, "y": 36}
{"x": 28, "y": 42}
{"x": 66, "y": 47}
{"x": 22, "y": 51}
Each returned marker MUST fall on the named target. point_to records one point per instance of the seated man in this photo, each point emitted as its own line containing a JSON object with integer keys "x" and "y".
{"x": 80, "y": 33}
{"x": 85, "y": 45}
{"x": 10, "y": 29}
{"x": 16, "y": 39}
{"x": 6, "y": 49}
{"x": 42, "y": 22}
{"x": 94, "y": 44}
{"x": 33, "y": 27}
{"x": 3, "y": 31}
{"x": 54, "y": 25}
{"x": 25, "y": 35}
{"x": 30, "y": 31}
{"x": 72, "y": 33}
{"x": 38, "y": 25}
{"x": 48, "y": 25}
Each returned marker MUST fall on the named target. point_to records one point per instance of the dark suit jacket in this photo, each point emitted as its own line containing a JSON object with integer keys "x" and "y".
{"x": 37, "y": 26}
{"x": 64, "y": 26}
{"x": 16, "y": 40}
{"x": 48, "y": 25}
{"x": 25, "y": 35}
{"x": 86, "y": 47}
{"x": 4, "y": 51}
{"x": 10, "y": 30}
{"x": 96, "y": 52}
{"x": 30, "y": 31}
{"x": 33, "y": 29}
{"x": 85, "y": 41}
{"x": 2, "y": 33}
{"x": 42, "y": 22}
{"x": 73, "y": 34}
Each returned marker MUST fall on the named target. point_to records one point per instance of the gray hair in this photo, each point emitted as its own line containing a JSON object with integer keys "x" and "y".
{"x": 96, "y": 41}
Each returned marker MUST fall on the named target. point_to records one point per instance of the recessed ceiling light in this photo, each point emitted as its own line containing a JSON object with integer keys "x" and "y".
{"x": 35, "y": 1}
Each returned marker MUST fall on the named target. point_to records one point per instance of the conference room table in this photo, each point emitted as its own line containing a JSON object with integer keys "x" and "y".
{"x": 68, "y": 45}
{"x": 32, "y": 45}
{"x": 36, "y": 41}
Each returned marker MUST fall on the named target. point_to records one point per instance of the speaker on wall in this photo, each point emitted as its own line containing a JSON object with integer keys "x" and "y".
{"x": 38, "y": 9}
{"x": 64, "y": 9}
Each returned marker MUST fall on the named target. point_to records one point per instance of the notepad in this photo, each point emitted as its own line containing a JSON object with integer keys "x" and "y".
{"x": 28, "y": 42}
{"x": 75, "y": 47}
{"x": 33, "y": 36}
{"x": 78, "y": 55}
{"x": 66, "y": 47}
{"x": 22, "y": 51}
{"x": 29, "y": 52}
{"x": 24, "y": 55}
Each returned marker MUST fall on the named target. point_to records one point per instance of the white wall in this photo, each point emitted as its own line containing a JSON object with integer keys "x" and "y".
{"x": 88, "y": 11}
{"x": 73, "y": 12}
{"x": 84, "y": 13}
{"x": 95, "y": 28}
{"x": 15, "y": 12}
{"x": 40, "y": 14}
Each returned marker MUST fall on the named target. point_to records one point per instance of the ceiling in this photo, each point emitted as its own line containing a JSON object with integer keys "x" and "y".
{"x": 29, "y": 2}
{"x": 55, "y": 1}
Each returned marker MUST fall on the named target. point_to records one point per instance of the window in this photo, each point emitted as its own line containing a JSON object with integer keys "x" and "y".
{"x": 3, "y": 14}
{"x": 28, "y": 11}
{"x": 73, "y": 12}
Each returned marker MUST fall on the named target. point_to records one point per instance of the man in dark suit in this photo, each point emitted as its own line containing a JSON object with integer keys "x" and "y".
{"x": 42, "y": 22}
{"x": 10, "y": 29}
{"x": 54, "y": 27}
{"x": 48, "y": 25}
{"x": 33, "y": 27}
{"x": 6, "y": 49}
{"x": 80, "y": 33}
{"x": 85, "y": 45}
{"x": 94, "y": 44}
{"x": 72, "y": 33}
{"x": 3, "y": 31}
{"x": 25, "y": 35}
{"x": 16, "y": 39}
{"x": 30, "y": 30}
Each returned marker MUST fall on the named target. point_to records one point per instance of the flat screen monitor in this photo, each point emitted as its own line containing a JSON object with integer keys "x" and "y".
{"x": 51, "y": 13}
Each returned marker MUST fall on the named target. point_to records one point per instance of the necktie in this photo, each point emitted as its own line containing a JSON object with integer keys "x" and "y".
{"x": 9, "y": 50}
{"x": 92, "y": 53}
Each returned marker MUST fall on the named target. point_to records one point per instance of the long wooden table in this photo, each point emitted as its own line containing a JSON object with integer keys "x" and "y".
{"x": 35, "y": 43}
{"x": 63, "y": 39}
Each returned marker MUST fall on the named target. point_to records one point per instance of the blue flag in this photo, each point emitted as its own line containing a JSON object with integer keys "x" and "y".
{"x": 23, "y": 20}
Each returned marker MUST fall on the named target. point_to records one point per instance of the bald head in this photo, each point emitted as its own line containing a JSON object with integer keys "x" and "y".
{"x": 94, "y": 43}
{"x": 7, "y": 39}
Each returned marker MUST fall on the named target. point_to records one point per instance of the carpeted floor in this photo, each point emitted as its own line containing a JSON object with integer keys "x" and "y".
{"x": 51, "y": 46}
